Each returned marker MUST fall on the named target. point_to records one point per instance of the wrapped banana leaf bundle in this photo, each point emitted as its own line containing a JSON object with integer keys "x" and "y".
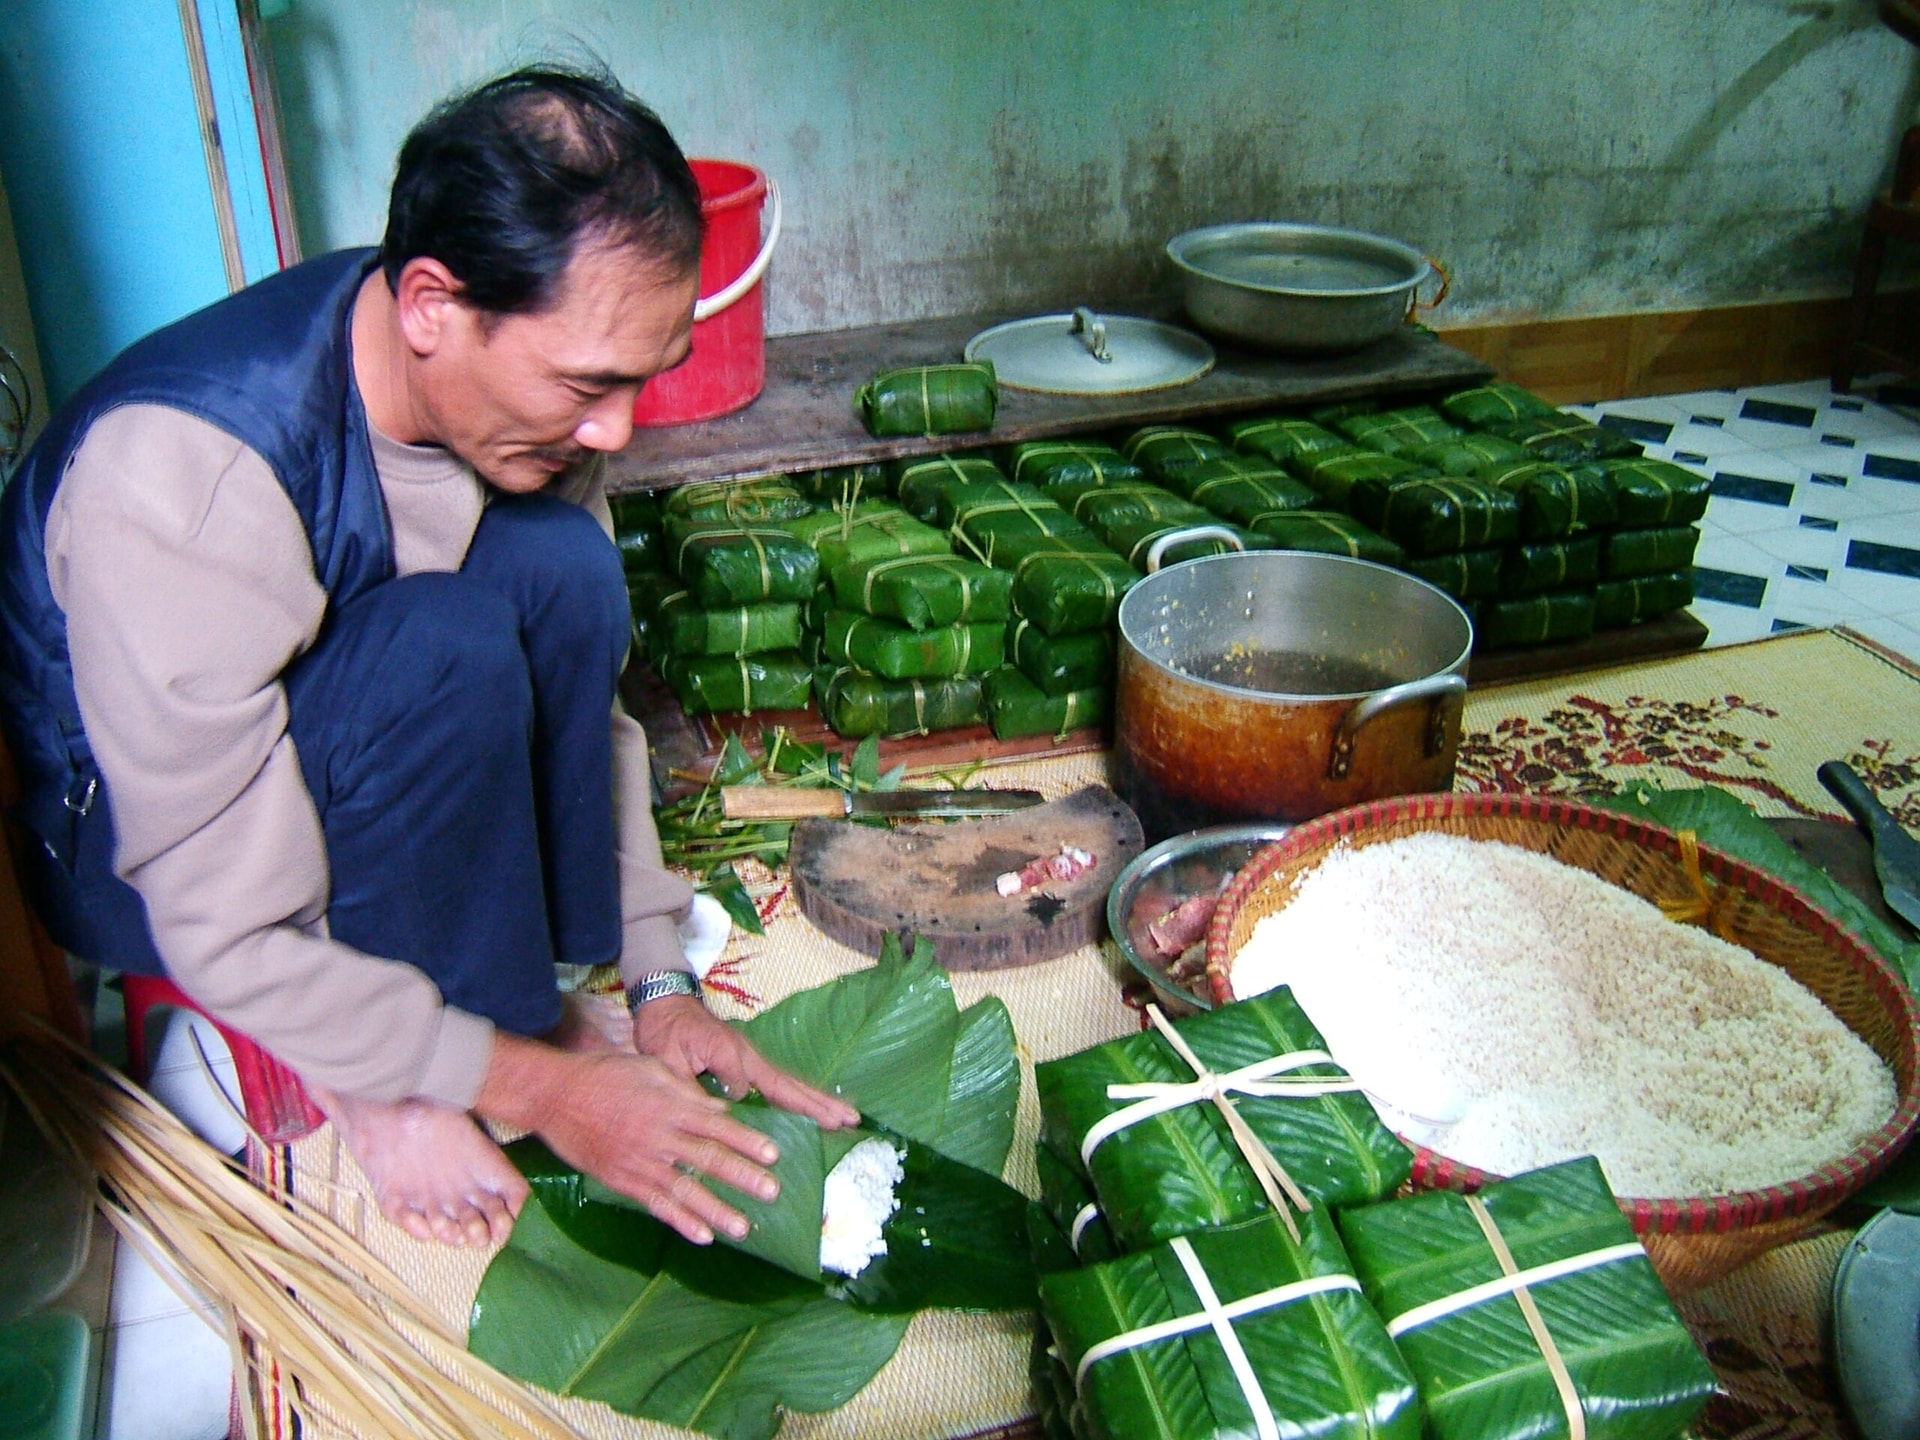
{"x": 918, "y": 482}
{"x": 1280, "y": 438}
{"x": 1595, "y": 1335}
{"x": 634, "y": 510}
{"x": 1064, "y": 584}
{"x": 1648, "y": 552}
{"x": 1463, "y": 574}
{"x": 636, "y": 530}
{"x": 844, "y": 485}
{"x": 1485, "y": 406}
{"x": 1533, "y": 619}
{"x": 1428, "y": 516}
{"x": 1048, "y": 463}
{"x": 1335, "y": 411}
{"x": 1556, "y": 500}
{"x": 1566, "y": 439}
{"x": 1016, "y": 706}
{"x": 1468, "y": 454}
{"x": 1068, "y": 1201}
{"x": 988, "y": 516}
{"x": 705, "y": 684}
{"x": 1059, "y": 664}
{"x": 1094, "y": 505}
{"x": 858, "y": 704}
{"x": 1368, "y": 497}
{"x": 1164, "y": 1159}
{"x": 1528, "y": 569}
{"x": 1395, "y": 432}
{"x": 1657, "y": 492}
{"x": 867, "y": 530}
{"x": 1329, "y": 533}
{"x": 1163, "y": 451}
{"x": 896, "y": 652}
{"x": 930, "y": 399}
{"x": 1626, "y": 602}
{"x": 1227, "y": 1334}
{"x": 727, "y": 564}
{"x": 1246, "y": 491}
{"x": 647, "y": 589}
{"x": 1053, "y": 1397}
{"x": 814, "y": 617}
{"x": 1135, "y": 538}
{"x": 678, "y": 626}
{"x": 923, "y": 592}
{"x": 1334, "y": 473}
{"x": 751, "y": 500}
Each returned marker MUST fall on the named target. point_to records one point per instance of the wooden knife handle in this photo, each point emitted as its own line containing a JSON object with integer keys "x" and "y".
{"x": 781, "y": 802}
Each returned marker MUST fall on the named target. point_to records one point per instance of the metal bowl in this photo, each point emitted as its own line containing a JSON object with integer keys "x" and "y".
{"x": 1312, "y": 289}
{"x": 1158, "y": 879}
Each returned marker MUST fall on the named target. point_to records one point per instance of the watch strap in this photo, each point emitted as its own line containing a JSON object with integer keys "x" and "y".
{"x": 656, "y": 984}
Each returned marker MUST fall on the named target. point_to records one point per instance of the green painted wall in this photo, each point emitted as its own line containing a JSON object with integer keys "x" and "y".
{"x": 1560, "y": 158}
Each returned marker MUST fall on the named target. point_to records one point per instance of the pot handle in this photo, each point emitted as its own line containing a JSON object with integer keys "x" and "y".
{"x": 1446, "y": 284}
{"x": 1428, "y": 687}
{"x": 707, "y": 306}
{"x": 1193, "y": 532}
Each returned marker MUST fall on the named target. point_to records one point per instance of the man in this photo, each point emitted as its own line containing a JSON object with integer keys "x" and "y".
{"x": 310, "y": 622}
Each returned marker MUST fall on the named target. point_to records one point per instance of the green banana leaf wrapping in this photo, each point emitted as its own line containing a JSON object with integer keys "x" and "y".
{"x": 749, "y": 501}
{"x": 1467, "y": 454}
{"x": 778, "y": 680}
{"x": 1533, "y": 620}
{"x": 1063, "y": 584}
{"x": 1318, "y": 1359}
{"x": 868, "y": 530}
{"x": 1068, "y": 1200}
{"x": 930, "y": 399}
{"x": 1180, "y": 1171}
{"x": 1334, "y": 473}
{"x": 898, "y": 653}
{"x": 1428, "y": 516}
{"x": 1556, "y": 500}
{"x": 1395, "y": 432}
{"x": 1280, "y": 438}
{"x": 1329, "y": 533}
{"x": 924, "y": 591}
{"x": 1059, "y": 664}
{"x": 1488, "y": 405}
{"x": 1053, "y": 1398}
{"x": 1163, "y": 451}
{"x": 815, "y": 617}
{"x": 1637, "y": 1371}
{"x": 858, "y": 704}
{"x": 1566, "y": 439}
{"x": 634, "y": 510}
{"x": 1135, "y": 538}
{"x": 918, "y": 482}
{"x": 678, "y": 626}
{"x": 1048, "y": 463}
{"x": 1097, "y": 505}
{"x": 1463, "y": 574}
{"x": 1016, "y": 706}
{"x": 1648, "y": 552}
{"x": 743, "y": 564}
{"x": 1550, "y": 565}
{"x": 641, "y": 549}
{"x": 1246, "y": 491}
{"x": 648, "y": 589}
{"x": 1657, "y": 492}
{"x": 1338, "y": 410}
{"x": 1622, "y": 602}
{"x": 1002, "y": 508}
{"x": 843, "y": 485}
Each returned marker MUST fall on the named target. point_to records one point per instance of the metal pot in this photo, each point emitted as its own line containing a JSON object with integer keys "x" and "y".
{"x": 1308, "y": 288}
{"x": 1279, "y": 685}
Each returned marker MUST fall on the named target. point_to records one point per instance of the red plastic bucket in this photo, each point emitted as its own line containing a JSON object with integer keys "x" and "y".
{"x": 728, "y": 366}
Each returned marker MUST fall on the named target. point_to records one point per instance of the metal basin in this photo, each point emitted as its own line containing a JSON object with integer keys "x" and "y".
{"x": 1312, "y": 289}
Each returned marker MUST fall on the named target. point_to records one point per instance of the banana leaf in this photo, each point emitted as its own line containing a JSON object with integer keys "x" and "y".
{"x": 1334, "y": 473}
{"x": 1657, "y": 492}
{"x": 1000, "y": 508}
{"x": 641, "y": 550}
{"x": 930, "y": 399}
{"x": 919, "y": 482}
{"x": 898, "y": 653}
{"x": 1052, "y": 1388}
{"x": 1467, "y": 454}
{"x": 1487, "y": 405}
{"x": 857, "y": 704}
{"x": 1648, "y": 552}
{"x": 1533, "y": 619}
{"x": 1180, "y": 1171}
{"x": 751, "y": 500}
{"x": 1016, "y": 706}
{"x": 678, "y": 626}
{"x": 1396, "y": 432}
{"x": 1556, "y": 500}
{"x": 1566, "y": 439}
{"x": 924, "y": 591}
{"x": 1625, "y": 602}
{"x": 1280, "y": 438}
{"x": 1163, "y": 451}
{"x": 634, "y": 510}
{"x": 867, "y": 530}
{"x": 842, "y": 485}
{"x": 1463, "y": 574}
{"x": 778, "y": 680}
{"x": 1048, "y": 463}
{"x": 1059, "y": 664}
{"x": 1550, "y": 565}
{"x": 1067, "y": 1199}
{"x": 1328, "y": 533}
{"x": 1431, "y": 515}
{"x": 1637, "y": 1371}
{"x": 1322, "y": 1362}
{"x": 725, "y": 564}
{"x": 1065, "y": 586}
{"x": 1246, "y": 491}
{"x": 1338, "y": 410}
{"x": 1097, "y": 506}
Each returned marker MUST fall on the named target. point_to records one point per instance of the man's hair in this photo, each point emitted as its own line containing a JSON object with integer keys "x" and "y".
{"x": 504, "y": 183}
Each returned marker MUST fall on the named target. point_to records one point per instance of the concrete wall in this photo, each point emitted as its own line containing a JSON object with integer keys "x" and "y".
{"x": 1561, "y": 158}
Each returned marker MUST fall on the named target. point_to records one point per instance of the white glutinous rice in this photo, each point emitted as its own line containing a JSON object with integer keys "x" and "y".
{"x": 1511, "y": 1011}
{"x": 858, "y": 1201}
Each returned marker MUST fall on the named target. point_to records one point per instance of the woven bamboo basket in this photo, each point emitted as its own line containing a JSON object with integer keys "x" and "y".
{"x": 1696, "y": 1240}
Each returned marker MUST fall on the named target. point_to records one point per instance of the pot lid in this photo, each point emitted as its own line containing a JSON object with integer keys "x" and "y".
{"x": 1088, "y": 354}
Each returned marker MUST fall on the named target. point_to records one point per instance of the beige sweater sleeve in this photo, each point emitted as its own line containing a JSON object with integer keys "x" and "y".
{"x": 187, "y": 582}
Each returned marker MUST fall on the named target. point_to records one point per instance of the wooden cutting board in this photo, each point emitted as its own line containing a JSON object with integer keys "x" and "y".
{"x": 858, "y": 883}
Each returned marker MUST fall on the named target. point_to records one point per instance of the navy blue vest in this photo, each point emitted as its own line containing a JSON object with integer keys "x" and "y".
{"x": 271, "y": 366}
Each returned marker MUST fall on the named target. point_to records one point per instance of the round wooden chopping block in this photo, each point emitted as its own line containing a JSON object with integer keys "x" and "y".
{"x": 859, "y": 883}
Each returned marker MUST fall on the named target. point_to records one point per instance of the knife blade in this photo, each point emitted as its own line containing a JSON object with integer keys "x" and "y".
{"x": 793, "y": 802}
{"x": 1896, "y": 854}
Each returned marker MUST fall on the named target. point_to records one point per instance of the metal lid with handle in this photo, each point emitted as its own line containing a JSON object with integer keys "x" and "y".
{"x": 1085, "y": 353}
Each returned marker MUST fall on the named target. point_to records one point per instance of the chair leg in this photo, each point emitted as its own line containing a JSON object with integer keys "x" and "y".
{"x": 1866, "y": 279}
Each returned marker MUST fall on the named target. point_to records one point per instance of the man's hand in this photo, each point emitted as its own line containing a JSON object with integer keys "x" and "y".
{"x": 690, "y": 1041}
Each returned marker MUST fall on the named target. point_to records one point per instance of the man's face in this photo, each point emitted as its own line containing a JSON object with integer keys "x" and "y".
{"x": 523, "y": 397}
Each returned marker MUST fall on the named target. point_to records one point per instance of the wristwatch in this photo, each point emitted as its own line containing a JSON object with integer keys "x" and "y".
{"x": 657, "y": 983}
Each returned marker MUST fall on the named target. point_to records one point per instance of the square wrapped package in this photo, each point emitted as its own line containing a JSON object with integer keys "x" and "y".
{"x": 1398, "y": 431}
{"x": 868, "y": 530}
{"x": 1566, "y": 439}
{"x": 1246, "y": 491}
{"x": 1467, "y": 454}
{"x": 1097, "y": 506}
{"x": 1280, "y": 438}
{"x": 725, "y": 564}
{"x": 677, "y": 626}
{"x": 1229, "y": 1334}
{"x": 843, "y": 485}
{"x": 1136, "y": 538}
{"x": 930, "y": 399}
{"x": 636, "y": 530}
{"x": 1556, "y": 500}
{"x": 1463, "y": 574}
{"x": 1533, "y": 619}
{"x": 1550, "y": 565}
{"x": 1489, "y": 405}
{"x": 1624, "y": 602}
{"x": 778, "y": 680}
{"x": 924, "y": 592}
{"x": 897, "y": 653}
{"x": 751, "y": 500}
{"x": 1063, "y": 584}
{"x": 1016, "y": 706}
{"x": 988, "y": 512}
{"x": 1068, "y": 1199}
{"x": 1329, "y": 533}
{"x": 858, "y": 704}
{"x": 1163, "y": 451}
{"x": 1059, "y": 664}
{"x": 1163, "y": 1158}
{"x": 1648, "y": 552}
{"x": 1441, "y": 1269}
{"x": 1652, "y": 493}
{"x": 917, "y": 482}
{"x": 1048, "y": 463}
{"x": 1431, "y": 515}
{"x": 1334, "y": 473}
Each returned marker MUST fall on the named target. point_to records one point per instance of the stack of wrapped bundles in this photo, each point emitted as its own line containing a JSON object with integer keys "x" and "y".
{"x": 1163, "y": 451}
{"x": 1647, "y": 567}
{"x": 642, "y": 545}
{"x": 917, "y": 482}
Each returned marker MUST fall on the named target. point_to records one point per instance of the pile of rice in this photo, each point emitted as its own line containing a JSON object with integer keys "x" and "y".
{"x": 856, "y": 1203}
{"x": 1511, "y": 1011}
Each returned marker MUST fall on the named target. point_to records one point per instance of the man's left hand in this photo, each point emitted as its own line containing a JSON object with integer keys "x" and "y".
{"x": 682, "y": 1034}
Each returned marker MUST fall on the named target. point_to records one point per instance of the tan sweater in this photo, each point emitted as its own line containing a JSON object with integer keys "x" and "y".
{"x": 188, "y": 586}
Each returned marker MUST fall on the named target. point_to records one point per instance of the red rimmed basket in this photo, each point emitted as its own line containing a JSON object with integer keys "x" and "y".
{"x": 1692, "y": 1241}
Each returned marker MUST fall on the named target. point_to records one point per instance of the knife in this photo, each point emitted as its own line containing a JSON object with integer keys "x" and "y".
{"x": 1896, "y": 854}
{"x": 794, "y": 802}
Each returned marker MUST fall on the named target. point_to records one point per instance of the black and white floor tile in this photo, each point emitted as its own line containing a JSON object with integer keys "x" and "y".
{"x": 1815, "y": 515}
